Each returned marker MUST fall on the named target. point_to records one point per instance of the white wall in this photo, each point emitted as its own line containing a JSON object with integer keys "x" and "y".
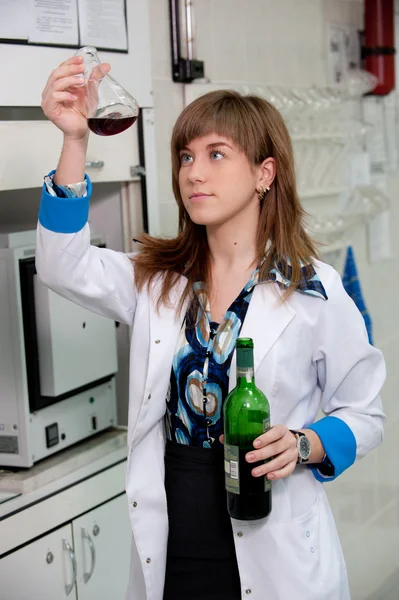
{"x": 277, "y": 41}
{"x": 284, "y": 42}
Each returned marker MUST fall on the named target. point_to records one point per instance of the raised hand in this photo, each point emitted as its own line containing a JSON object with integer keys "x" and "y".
{"x": 64, "y": 99}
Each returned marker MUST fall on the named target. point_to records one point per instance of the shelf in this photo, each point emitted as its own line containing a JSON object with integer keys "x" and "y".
{"x": 321, "y": 192}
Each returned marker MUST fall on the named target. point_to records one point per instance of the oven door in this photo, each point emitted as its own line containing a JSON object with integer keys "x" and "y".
{"x": 68, "y": 349}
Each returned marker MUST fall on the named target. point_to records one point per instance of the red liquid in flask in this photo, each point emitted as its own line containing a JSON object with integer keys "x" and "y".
{"x": 109, "y": 125}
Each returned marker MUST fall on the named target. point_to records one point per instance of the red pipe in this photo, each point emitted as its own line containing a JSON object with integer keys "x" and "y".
{"x": 379, "y": 38}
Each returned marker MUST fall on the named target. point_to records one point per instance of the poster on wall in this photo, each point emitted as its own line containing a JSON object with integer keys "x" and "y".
{"x": 53, "y": 22}
{"x": 102, "y": 23}
{"x": 66, "y": 23}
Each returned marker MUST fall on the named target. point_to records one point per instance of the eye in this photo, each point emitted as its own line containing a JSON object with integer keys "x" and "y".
{"x": 185, "y": 158}
{"x": 217, "y": 154}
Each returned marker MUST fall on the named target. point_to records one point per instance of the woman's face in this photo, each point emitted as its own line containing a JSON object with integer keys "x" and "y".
{"x": 217, "y": 181}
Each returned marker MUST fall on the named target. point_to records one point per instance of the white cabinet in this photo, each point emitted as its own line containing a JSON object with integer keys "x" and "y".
{"x": 66, "y": 533}
{"x": 43, "y": 569}
{"x": 30, "y": 149}
{"x": 102, "y": 539}
{"x": 88, "y": 559}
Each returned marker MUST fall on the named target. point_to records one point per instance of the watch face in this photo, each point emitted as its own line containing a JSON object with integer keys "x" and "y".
{"x": 304, "y": 447}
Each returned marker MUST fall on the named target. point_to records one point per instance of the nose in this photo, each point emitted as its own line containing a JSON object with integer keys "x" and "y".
{"x": 197, "y": 171}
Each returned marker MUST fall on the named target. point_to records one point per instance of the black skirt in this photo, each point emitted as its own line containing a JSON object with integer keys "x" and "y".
{"x": 201, "y": 561}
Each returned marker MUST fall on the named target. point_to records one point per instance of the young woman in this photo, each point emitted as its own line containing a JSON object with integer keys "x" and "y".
{"x": 241, "y": 264}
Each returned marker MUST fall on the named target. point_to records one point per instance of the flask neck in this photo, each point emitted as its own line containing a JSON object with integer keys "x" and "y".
{"x": 90, "y": 59}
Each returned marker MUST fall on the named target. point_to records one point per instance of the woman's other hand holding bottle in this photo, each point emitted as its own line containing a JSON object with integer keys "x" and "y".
{"x": 278, "y": 447}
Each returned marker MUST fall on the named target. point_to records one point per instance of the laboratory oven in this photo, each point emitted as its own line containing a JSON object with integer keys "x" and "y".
{"x": 57, "y": 362}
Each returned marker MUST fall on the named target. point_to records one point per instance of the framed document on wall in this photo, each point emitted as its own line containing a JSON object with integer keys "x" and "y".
{"x": 65, "y": 23}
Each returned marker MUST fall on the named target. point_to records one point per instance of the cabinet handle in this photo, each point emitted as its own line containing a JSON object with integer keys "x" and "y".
{"x": 94, "y": 164}
{"x": 137, "y": 171}
{"x": 66, "y": 546}
{"x": 86, "y": 535}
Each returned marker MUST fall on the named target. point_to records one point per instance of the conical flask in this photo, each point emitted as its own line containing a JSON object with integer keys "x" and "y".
{"x": 110, "y": 108}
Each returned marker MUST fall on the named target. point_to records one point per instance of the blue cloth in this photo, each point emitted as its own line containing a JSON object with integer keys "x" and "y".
{"x": 352, "y": 286}
{"x": 199, "y": 381}
{"x": 339, "y": 445}
{"x": 308, "y": 284}
{"x": 64, "y": 214}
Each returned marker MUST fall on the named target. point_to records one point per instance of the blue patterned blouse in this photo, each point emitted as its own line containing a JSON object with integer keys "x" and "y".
{"x": 201, "y": 366}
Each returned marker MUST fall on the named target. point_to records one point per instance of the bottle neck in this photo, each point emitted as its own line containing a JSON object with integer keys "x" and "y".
{"x": 245, "y": 367}
{"x": 245, "y": 377}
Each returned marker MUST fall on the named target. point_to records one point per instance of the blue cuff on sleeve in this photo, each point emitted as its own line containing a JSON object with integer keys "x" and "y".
{"x": 339, "y": 444}
{"x": 64, "y": 215}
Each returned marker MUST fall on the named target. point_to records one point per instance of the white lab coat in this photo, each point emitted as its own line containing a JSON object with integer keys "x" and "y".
{"x": 308, "y": 353}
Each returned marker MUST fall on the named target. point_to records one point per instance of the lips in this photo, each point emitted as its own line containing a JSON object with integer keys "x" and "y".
{"x": 199, "y": 195}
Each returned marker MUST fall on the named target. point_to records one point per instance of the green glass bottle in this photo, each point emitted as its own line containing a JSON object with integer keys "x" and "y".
{"x": 246, "y": 416}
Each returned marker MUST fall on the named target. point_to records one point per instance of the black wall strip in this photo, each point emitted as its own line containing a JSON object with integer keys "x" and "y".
{"x": 144, "y": 203}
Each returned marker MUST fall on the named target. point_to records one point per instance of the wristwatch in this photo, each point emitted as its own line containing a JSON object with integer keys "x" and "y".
{"x": 303, "y": 445}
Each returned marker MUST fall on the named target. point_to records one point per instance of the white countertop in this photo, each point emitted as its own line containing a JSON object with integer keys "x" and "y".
{"x": 23, "y": 487}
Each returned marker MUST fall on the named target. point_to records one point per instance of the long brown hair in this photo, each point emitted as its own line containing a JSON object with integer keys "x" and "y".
{"x": 259, "y": 130}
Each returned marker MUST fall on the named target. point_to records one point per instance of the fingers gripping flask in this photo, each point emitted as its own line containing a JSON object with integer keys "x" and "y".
{"x": 246, "y": 416}
{"x": 110, "y": 108}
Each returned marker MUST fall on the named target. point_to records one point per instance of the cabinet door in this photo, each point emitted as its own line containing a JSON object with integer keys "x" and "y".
{"x": 21, "y": 166}
{"x": 44, "y": 569}
{"x": 102, "y": 545}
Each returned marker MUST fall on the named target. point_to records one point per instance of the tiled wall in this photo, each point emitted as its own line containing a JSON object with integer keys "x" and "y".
{"x": 284, "y": 42}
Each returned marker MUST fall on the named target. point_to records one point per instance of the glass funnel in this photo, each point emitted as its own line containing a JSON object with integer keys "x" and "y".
{"x": 110, "y": 108}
